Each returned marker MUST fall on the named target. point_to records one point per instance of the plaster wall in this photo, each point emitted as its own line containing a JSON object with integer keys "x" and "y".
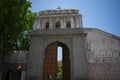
{"x": 103, "y": 55}
{"x": 75, "y": 43}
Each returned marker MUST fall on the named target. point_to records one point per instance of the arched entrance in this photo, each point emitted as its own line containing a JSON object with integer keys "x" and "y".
{"x": 50, "y": 62}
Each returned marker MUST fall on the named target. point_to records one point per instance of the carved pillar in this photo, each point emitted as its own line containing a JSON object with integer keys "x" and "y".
{"x": 72, "y": 22}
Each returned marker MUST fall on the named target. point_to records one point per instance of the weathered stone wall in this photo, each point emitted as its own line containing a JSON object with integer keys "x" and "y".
{"x": 14, "y": 59}
{"x": 101, "y": 49}
{"x": 74, "y": 39}
{"x": 103, "y": 55}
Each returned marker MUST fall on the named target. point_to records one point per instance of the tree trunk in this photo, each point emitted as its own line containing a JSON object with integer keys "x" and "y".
{"x": 1, "y": 54}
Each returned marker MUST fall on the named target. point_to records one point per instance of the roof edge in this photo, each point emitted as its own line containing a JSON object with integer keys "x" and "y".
{"x": 103, "y": 32}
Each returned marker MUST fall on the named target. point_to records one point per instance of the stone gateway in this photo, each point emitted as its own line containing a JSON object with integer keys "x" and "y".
{"x": 88, "y": 53}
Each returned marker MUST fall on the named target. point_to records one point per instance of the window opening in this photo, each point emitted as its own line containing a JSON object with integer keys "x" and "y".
{"x": 57, "y": 24}
{"x": 68, "y": 24}
{"x": 47, "y": 25}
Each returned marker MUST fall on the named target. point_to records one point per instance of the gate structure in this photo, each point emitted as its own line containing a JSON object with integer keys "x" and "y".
{"x": 53, "y": 28}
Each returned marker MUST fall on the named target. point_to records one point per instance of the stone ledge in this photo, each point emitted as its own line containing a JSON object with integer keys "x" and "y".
{"x": 74, "y": 31}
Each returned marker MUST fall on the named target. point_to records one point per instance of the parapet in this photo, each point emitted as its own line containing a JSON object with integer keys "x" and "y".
{"x": 59, "y": 11}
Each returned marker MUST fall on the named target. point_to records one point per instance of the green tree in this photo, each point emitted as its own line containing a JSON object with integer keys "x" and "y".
{"x": 23, "y": 39}
{"x": 59, "y": 73}
{"x": 15, "y": 23}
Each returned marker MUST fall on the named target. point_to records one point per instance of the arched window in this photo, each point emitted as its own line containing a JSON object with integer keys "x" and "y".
{"x": 68, "y": 24}
{"x": 47, "y": 25}
{"x": 57, "y": 24}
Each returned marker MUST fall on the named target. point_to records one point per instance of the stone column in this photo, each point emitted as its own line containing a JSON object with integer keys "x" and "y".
{"x": 64, "y": 23}
{"x": 36, "y": 24}
{"x": 77, "y": 21}
{"x": 43, "y": 23}
{"x": 80, "y": 21}
{"x": 40, "y": 22}
{"x": 72, "y": 22}
{"x": 51, "y": 23}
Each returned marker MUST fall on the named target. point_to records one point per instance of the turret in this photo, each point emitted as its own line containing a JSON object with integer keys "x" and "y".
{"x": 58, "y": 18}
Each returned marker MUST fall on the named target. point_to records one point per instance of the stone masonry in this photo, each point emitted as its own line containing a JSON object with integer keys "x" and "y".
{"x": 94, "y": 54}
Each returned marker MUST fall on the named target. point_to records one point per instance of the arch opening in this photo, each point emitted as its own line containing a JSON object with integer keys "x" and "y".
{"x": 54, "y": 53}
{"x": 57, "y": 24}
{"x": 68, "y": 24}
{"x": 47, "y": 25}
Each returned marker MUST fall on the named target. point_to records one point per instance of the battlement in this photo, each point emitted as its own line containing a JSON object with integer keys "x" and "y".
{"x": 59, "y": 11}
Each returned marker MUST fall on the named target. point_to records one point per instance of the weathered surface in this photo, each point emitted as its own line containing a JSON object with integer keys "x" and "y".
{"x": 75, "y": 42}
{"x": 94, "y": 54}
{"x": 48, "y": 19}
{"x": 11, "y": 62}
{"x": 64, "y": 26}
{"x": 103, "y": 54}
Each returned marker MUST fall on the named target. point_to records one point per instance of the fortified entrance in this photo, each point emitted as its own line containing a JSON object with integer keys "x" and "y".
{"x": 50, "y": 62}
{"x": 53, "y": 28}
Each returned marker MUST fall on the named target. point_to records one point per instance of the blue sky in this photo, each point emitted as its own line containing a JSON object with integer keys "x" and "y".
{"x": 101, "y": 14}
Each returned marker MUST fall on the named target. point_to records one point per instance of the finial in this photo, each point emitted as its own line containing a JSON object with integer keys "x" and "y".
{"x": 59, "y": 7}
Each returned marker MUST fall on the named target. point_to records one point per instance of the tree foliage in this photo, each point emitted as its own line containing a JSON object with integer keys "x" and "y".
{"x": 15, "y": 23}
{"x": 59, "y": 73}
{"x": 23, "y": 39}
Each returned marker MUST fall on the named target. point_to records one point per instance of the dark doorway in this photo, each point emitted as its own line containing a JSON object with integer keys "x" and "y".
{"x": 50, "y": 62}
{"x": 13, "y": 75}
